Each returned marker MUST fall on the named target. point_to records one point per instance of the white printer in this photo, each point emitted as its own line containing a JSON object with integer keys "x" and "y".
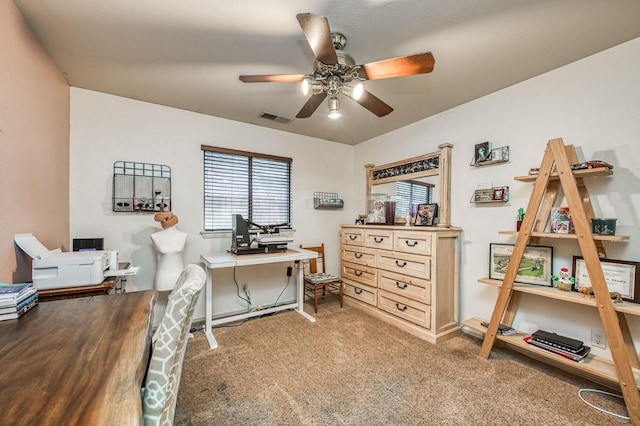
{"x": 57, "y": 269}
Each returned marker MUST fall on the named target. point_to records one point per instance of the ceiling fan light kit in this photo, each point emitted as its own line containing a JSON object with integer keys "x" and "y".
{"x": 334, "y": 71}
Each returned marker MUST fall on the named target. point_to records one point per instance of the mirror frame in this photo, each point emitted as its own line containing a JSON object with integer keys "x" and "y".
{"x": 436, "y": 163}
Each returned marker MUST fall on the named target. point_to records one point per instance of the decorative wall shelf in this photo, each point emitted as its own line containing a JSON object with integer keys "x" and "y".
{"x": 497, "y": 194}
{"x": 327, "y": 200}
{"x": 141, "y": 187}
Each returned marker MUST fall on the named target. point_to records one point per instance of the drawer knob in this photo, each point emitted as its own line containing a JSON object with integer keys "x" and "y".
{"x": 358, "y": 273}
{"x": 401, "y": 265}
{"x": 353, "y": 237}
{"x": 400, "y": 285}
{"x": 357, "y": 290}
{"x": 401, "y": 307}
{"x": 378, "y": 240}
{"x": 358, "y": 255}
{"x": 415, "y": 243}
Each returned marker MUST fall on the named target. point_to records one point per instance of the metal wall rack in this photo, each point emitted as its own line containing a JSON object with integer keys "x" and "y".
{"x": 141, "y": 187}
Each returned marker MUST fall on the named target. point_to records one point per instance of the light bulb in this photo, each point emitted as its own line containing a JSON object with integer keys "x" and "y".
{"x": 334, "y": 108}
{"x": 358, "y": 90}
{"x": 305, "y": 87}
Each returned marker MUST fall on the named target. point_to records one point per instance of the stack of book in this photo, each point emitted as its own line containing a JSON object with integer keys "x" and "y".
{"x": 16, "y": 300}
{"x": 564, "y": 346}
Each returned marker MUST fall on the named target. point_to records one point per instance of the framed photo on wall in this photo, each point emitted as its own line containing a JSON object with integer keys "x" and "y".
{"x": 427, "y": 214}
{"x": 535, "y": 267}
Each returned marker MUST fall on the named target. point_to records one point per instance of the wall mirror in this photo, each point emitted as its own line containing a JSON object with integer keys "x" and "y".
{"x": 432, "y": 170}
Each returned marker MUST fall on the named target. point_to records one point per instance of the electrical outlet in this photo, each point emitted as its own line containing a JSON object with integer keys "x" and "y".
{"x": 597, "y": 339}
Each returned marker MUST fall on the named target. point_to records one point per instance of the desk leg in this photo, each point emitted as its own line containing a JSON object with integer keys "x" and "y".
{"x": 208, "y": 325}
{"x": 300, "y": 288}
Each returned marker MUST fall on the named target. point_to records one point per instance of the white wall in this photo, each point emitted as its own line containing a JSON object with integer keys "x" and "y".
{"x": 106, "y": 129}
{"x": 593, "y": 104}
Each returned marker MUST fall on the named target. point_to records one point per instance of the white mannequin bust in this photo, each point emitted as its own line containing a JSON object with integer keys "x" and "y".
{"x": 169, "y": 243}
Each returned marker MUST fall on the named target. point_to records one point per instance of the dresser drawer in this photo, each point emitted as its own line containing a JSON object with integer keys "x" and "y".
{"x": 359, "y": 255}
{"x": 405, "y": 264}
{"x": 379, "y": 239}
{"x": 361, "y": 292}
{"x": 413, "y": 288}
{"x": 362, "y": 274}
{"x": 407, "y": 309}
{"x": 353, "y": 236}
{"x": 412, "y": 242}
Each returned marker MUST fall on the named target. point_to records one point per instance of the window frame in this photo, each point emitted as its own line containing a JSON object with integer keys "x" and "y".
{"x": 209, "y": 207}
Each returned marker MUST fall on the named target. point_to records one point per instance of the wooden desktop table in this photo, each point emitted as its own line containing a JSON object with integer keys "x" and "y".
{"x": 76, "y": 361}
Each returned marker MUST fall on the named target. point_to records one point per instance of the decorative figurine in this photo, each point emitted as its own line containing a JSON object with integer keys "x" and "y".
{"x": 564, "y": 281}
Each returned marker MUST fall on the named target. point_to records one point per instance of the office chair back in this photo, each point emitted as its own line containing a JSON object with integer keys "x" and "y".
{"x": 169, "y": 345}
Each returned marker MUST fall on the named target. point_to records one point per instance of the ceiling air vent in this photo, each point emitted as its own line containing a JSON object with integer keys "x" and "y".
{"x": 274, "y": 117}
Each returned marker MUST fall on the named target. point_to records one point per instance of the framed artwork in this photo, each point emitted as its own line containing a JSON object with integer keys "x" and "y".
{"x": 426, "y": 215}
{"x": 498, "y": 194}
{"x": 535, "y": 267}
{"x": 483, "y": 152}
{"x": 620, "y": 275}
{"x": 376, "y": 209}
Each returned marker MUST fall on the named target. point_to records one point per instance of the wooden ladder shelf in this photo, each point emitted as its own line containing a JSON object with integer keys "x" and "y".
{"x": 558, "y": 158}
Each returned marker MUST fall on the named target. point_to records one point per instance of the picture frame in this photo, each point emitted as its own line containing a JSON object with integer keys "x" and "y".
{"x": 620, "y": 275}
{"x": 536, "y": 265}
{"x": 376, "y": 213}
{"x": 427, "y": 214}
{"x": 482, "y": 152}
{"x": 498, "y": 194}
{"x": 560, "y": 221}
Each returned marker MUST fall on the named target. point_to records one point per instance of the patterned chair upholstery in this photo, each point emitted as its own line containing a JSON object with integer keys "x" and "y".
{"x": 169, "y": 345}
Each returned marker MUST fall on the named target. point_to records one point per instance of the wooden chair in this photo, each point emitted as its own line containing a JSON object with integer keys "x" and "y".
{"x": 169, "y": 345}
{"x": 319, "y": 284}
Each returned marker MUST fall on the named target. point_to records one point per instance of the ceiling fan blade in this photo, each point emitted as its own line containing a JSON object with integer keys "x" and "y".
{"x": 316, "y": 30}
{"x": 272, "y": 78}
{"x": 398, "y": 67}
{"x": 374, "y": 104}
{"x": 311, "y": 105}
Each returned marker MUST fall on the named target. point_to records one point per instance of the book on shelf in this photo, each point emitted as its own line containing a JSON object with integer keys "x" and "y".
{"x": 574, "y": 356}
{"x": 26, "y": 308}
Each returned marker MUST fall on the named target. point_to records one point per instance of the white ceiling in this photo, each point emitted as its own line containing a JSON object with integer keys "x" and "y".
{"x": 188, "y": 54}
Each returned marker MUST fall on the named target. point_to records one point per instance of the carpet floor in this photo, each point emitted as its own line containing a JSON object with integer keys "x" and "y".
{"x": 349, "y": 368}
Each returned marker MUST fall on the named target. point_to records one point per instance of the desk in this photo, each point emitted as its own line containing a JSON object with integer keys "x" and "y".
{"x": 76, "y": 361}
{"x": 228, "y": 260}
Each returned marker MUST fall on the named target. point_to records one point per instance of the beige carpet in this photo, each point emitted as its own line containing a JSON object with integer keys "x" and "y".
{"x": 352, "y": 369}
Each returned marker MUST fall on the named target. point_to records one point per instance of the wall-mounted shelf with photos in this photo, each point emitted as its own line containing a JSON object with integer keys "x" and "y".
{"x": 497, "y": 194}
{"x": 484, "y": 155}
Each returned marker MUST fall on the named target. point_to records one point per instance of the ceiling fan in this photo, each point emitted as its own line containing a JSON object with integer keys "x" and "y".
{"x": 336, "y": 71}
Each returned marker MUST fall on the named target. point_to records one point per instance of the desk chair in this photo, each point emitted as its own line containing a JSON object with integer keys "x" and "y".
{"x": 318, "y": 283}
{"x": 169, "y": 345}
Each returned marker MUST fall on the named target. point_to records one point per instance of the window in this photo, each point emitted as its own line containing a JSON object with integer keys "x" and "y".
{"x": 411, "y": 192}
{"x": 256, "y": 186}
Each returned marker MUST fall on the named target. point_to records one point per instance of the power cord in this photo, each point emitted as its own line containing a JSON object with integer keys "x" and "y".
{"x": 285, "y": 287}
{"x": 246, "y": 299}
{"x": 602, "y": 410}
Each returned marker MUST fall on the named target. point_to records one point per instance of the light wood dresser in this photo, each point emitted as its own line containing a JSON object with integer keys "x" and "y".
{"x": 406, "y": 276}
